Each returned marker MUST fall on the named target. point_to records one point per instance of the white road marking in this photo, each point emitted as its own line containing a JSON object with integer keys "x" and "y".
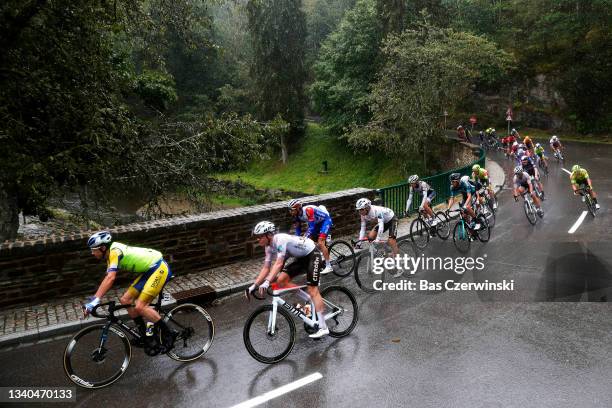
{"x": 577, "y": 223}
{"x": 253, "y": 402}
{"x": 567, "y": 171}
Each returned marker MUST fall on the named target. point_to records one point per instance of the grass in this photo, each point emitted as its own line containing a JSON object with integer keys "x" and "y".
{"x": 546, "y": 135}
{"x": 302, "y": 171}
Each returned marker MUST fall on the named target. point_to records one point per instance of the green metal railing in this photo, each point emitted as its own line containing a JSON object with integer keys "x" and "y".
{"x": 395, "y": 196}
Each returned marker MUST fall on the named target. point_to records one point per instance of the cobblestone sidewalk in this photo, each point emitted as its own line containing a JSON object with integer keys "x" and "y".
{"x": 60, "y": 316}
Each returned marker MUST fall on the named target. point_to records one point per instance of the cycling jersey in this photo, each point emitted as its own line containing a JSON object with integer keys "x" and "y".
{"x": 464, "y": 187}
{"x": 539, "y": 151}
{"x": 528, "y": 142}
{"x": 131, "y": 259}
{"x": 318, "y": 219}
{"x": 382, "y": 214}
{"x": 529, "y": 167}
{"x": 554, "y": 144}
{"x": 524, "y": 181}
{"x": 481, "y": 175}
{"x": 284, "y": 246}
{"x": 422, "y": 188}
{"x": 579, "y": 177}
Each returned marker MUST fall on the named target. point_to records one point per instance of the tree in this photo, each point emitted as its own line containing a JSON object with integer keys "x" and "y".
{"x": 278, "y": 30}
{"x": 426, "y": 71}
{"x": 347, "y": 65}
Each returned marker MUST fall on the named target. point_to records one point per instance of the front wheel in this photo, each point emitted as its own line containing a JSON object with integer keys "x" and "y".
{"x": 461, "y": 237}
{"x": 443, "y": 228}
{"x": 365, "y": 275}
{"x": 530, "y": 212}
{"x": 342, "y": 257}
{"x": 590, "y": 204}
{"x": 97, "y": 356}
{"x": 266, "y": 343}
{"x": 341, "y": 305}
{"x": 195, "y": 328}
{"x": 484, "y": 232}
{"x": 419, "y": 233}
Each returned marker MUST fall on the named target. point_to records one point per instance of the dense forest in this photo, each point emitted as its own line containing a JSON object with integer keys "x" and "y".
{"x": 144, "y": 97}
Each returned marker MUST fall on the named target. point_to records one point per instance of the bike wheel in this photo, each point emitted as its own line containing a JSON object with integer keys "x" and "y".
{"x": 488, "y": 215}
{"x": 443, "y": 228}
{"x": 484, "y": 233}
{"x": 419, "y": 233}
{"x": 364, "y": 273}
{"x": 590, "y": 205}
{"x": 530, "y": 213}
{"x": 461, "y": 237}
{"x": 89, "y": 364}
{"x": 342, "y": 257}
{"x": 341, "y": 301}
{"x": 195, "y": 328}
{"x": 266, "y": 347}
{"x": 493, "y": 203}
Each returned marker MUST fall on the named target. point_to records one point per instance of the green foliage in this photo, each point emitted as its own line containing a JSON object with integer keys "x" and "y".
{"x": 157, "y": 89}
{"x": 426, "y": 71}
{"x": 348, "y": 61}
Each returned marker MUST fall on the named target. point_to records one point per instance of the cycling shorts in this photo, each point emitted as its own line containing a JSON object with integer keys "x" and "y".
{"x": 390, "y": 226}
{"x": 310, "y": 264}
{"x": 148, "y": 285}
{"x": 431, "y": 194}
{"x": 321, "y": 230}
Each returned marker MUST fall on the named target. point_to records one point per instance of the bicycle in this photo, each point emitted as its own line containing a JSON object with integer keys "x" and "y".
{"x": 106, "y": 347}
{"x": 485, "y": 209}
{"x": 464, "y": 234}
{"x": 365, "y": 273}
{"x": 341, "y": 321}
{"x": 421, "y": 229}
{"x": 559, "y": 156}
{"x": 542, "y": 164}
{"x": 588, "y": 200}
{"x": 529, "y": 207}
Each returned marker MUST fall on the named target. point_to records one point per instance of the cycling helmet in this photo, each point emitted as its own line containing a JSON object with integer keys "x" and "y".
{"x": 455, "y": 177}
{"x": 575, "y": 168}
{"x": 476, "y": 168}
{"x": 481, "y": 133}
{"x": 513, "y": 132}
{"x": 555, "y": 138}
{"x": 413, "y": 179}
{"x": 518, "y": 170}
{"x": 99, "y": 238}
{"x": 459, "y": 127}
{"x": 522, "y": 145}
{"x": 524, "y": 158}
{"x": 538, "y": 145}
{"x": 520, "y": 152}
{"x": 362, "y": 203}
{"x": 294, "y": 203}
{"x": 264, "y": 227}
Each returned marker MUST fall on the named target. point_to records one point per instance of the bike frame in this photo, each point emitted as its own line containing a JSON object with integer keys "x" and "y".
{"x": 277, "y": 302}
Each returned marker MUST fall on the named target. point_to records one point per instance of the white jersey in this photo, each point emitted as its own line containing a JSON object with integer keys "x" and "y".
{"x": 381, "y": 214}
{"x": 422, "y": 188}
{"x": 284, "y": 246}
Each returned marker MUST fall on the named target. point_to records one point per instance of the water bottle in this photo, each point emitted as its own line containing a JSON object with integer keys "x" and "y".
{"x": 149, "y": 331}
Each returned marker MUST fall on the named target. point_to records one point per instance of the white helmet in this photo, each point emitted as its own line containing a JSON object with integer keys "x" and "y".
{"x": 99, "y": 238}
{"x": 520, "y": 152}
{"x": 294, "y": 203}
{"x": 413, "y": 179}
{"x": 264, "y": 227}
{"x": 538, "y": 145}
{"x": 518, "y": 170}
{"x": 555, "y": 138}
{"x": 362, "y": 203}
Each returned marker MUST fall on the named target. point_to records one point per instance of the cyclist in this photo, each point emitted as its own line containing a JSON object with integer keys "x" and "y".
{"x": 152, "y": 273}
{"x": 386, "y": 221}
{"x": 491, "y": 133}
{"x": 319, "y": 225}
{"x": 555, "y": 145}
{"x": 522, "y": 185}
{"x": 428, "y": 193}
{"x": 540, "y": 153}
{"x": 481, "y": 176}
{"x": 530, "y": 168}
{"x": 528, "y": 143}
{"x": 461, "y": 134}
{"x": 279, "y": 247}
{"x": 580, "y": 179}
{"x": 513, "y": 149}
{"x": 461, "y": 185}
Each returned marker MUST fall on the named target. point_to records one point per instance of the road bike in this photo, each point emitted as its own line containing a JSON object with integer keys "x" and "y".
{"x": 485, "y": 209}
{"x": 530, "y": 209}
{"x": 542, "y": 164}
{"x": 464, "y": 234}
{"x": 588, "y": 200}
{"x": 371, "y": 261}
{"x": 559, "y": 156}
{"x": 100, "y": 354}
{"x": 423, "y": 227}
{"x": 269, "y": 332}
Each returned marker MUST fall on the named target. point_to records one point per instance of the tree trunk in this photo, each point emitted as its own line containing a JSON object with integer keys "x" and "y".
{"x": 9, "y": 214}
{"x": 283, "y": 143}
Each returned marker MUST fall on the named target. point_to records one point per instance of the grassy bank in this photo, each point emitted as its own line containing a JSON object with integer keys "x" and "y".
{"x": 303, "y": 169}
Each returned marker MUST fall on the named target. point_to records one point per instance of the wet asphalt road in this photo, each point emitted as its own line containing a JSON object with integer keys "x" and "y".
{"x": 547, "y": 343}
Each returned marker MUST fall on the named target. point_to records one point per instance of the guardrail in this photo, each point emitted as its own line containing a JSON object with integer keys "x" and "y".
{"x": 395, "y": 196}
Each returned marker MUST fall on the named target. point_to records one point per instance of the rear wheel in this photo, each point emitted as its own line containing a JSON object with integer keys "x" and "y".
{"x": 195, "y": 328}
{"x": 341, "y": 303}
{"x": 342, "y": 257}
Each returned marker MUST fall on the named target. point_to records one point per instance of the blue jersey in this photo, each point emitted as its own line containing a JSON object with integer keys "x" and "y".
{"x": 464, "y": 187}
{"x": 318, "y": 219}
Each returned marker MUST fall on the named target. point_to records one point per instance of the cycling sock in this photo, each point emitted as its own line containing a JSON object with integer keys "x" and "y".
{"x": 321, "y": 319}
{"x": 327, "y": 263}
{"x": 595, "y": 200}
